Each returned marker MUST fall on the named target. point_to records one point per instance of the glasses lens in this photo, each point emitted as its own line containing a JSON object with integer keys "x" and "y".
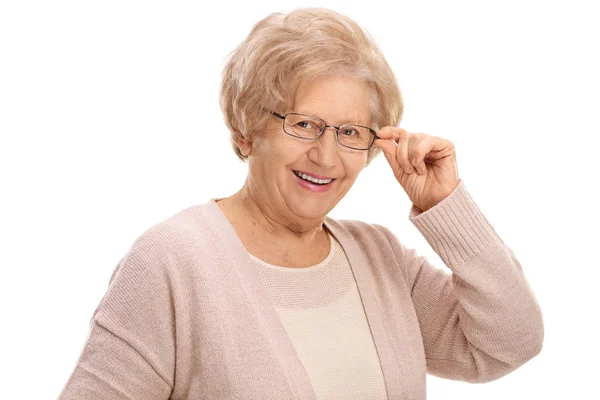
{"x": 356, "y": 137}
{"x": 303, "y": 126}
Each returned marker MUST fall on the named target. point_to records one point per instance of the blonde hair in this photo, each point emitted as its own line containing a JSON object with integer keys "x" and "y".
{"x": 284, "y": 51}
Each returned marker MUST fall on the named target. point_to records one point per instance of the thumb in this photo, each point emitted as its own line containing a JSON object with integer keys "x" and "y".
{"x": 389, "y": 150}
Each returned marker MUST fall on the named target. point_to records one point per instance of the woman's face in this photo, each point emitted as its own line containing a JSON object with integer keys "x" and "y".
{"x": 274, "y": 156}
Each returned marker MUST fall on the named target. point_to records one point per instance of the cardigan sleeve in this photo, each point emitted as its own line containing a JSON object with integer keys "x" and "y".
{"x": 481, "y": 321}
{"x": 129, "y": 352}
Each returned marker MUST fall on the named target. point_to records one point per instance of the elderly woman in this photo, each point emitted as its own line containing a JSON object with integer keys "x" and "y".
{"x": 260, "y": 295}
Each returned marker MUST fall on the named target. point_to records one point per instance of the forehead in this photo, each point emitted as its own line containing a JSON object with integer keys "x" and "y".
{"x": 336, "y": 99}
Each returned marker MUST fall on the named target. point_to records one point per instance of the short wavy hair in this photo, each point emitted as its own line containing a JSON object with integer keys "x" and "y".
{"x": 284, "y": 51}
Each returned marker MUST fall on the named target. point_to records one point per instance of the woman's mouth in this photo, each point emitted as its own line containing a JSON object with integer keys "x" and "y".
{"x": 310, "y": 178}
{"x": 312, "y": 183}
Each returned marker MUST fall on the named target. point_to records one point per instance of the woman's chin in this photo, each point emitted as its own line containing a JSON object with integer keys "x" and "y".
{"x": 311, "y": 208}
{"x": 310, "y": 204}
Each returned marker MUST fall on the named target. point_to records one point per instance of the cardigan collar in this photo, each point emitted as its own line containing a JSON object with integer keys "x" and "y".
{"x": 274, "y": 329}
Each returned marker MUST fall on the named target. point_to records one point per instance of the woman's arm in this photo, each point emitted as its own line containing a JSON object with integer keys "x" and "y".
{"x": 130, "y": 348}
{"x": 482, "y": 321}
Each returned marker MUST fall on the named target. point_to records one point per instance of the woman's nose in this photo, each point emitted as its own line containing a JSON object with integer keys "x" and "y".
{"x": 326, "y": 148}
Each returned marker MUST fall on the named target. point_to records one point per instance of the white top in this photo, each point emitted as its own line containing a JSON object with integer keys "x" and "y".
{"x": 323, "y": 314}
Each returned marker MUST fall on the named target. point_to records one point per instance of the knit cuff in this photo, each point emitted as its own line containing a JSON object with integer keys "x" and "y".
{"x": 455, "y": 228}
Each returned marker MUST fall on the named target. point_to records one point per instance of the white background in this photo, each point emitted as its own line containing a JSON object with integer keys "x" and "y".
{"x": 109, "y": 123}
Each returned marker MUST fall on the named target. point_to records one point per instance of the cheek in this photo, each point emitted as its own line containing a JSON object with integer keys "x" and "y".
{"x": 286, "y": 152}
{"x": 354, "y": 163}
{"x": 276, "y": 153}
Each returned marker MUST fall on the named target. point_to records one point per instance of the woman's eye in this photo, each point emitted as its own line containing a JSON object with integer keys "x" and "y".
{"x": 304, "y": 124}
{"x": 349, "y": 131}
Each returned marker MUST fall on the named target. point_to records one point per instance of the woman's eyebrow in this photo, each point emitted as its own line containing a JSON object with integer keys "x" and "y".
{"x": 347, "y": 120}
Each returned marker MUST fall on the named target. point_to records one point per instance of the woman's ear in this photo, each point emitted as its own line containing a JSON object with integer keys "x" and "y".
{"x": 244, "y": 144}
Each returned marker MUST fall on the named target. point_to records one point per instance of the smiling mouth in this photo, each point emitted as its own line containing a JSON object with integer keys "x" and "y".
{"x": 310, "y": 179}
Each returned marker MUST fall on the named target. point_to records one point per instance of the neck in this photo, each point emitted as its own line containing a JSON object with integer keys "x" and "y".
{"x": 265, "y": 219}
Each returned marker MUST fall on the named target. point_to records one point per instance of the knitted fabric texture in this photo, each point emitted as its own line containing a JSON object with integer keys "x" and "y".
{"x": 188, "y": 315}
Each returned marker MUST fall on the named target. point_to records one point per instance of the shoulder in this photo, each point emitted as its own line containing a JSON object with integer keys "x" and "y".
{"x": 180, "y": 237}
{"x": 363, "y": 232}
{"x": 181, "y": 226}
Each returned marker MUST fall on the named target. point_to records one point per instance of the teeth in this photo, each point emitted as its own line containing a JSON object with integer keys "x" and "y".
{"x": 311, "y": 179}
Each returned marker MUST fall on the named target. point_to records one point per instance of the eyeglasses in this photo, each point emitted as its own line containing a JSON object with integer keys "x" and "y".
{"x": 307, "y": 127}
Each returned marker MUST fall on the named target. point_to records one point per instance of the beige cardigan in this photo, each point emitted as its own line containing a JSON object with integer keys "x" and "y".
{"x": 186, "y": 315}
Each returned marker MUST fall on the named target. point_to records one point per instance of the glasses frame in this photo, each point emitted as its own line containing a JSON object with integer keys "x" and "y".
{"x": 322, "y": 130}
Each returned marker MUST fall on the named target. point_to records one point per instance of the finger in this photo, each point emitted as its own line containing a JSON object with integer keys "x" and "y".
{"x": 419, "y": 145}
{"x": 440, "y": 148}
{"x": 389, "y": 151}
{"x": 402, "y": 152}
{"x": 401, "y": 137}
{"x": 390, "y": 132}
